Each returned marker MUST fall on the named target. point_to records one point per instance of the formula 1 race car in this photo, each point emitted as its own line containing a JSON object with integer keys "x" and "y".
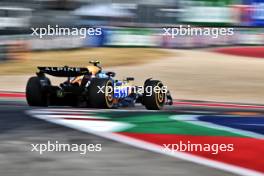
{"x": 92, "y": 87}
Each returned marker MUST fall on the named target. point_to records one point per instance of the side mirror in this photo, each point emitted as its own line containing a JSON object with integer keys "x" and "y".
{"x": 130, "y": 79}
{"x": 110, "y": 74}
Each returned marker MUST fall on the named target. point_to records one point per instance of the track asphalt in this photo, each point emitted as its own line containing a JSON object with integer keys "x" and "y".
{"x": 131, "y": 139}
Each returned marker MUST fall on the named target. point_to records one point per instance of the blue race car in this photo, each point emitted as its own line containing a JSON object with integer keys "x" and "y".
{"x": 94, "y": 88}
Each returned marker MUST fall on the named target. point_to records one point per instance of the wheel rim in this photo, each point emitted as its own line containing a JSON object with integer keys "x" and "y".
{"x": 160, "y": 96}
{"x": 109, "y": 96}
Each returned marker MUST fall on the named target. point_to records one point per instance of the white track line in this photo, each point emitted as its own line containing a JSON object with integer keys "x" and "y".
{"x": 97, "y": 110}
{"x": 41, "y": 116}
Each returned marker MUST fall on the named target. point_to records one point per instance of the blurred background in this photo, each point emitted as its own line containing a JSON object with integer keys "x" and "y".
{"x": 132, "y": 32}
{"x": 128, "y": 23}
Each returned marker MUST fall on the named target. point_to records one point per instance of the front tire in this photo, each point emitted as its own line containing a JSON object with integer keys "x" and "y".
{"x": 101, "y": 93}
{"x": 153, "y": 97}
{"x": 34, "y": 94}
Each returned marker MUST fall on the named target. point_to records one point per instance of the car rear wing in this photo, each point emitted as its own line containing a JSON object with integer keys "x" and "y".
{"x": 64, "y": 71}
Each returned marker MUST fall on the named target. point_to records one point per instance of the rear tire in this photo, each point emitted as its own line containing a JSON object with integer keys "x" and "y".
{"x": 100, "y": 98}
{"x": 153, "y": 100}
{"x": 34, "y": 94}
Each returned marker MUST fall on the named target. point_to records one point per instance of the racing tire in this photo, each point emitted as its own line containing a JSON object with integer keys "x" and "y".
{"x": 153, "y": 100}
{"x": 100, "y": 93}
{"x": 34, "y": 94}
